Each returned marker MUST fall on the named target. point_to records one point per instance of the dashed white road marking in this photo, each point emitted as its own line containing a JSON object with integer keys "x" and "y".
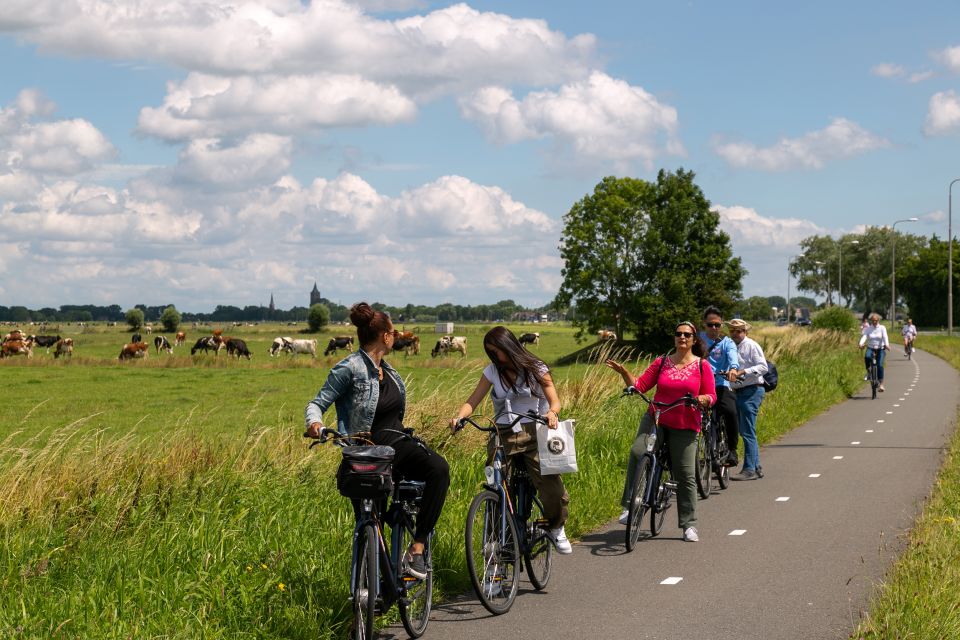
{"x": 737, "y": 532}
{"x": 889, "y": 413}
{"x": 902, "y": 399}
{"x": 672, "y": 580}
{"x": 855, "y": 442}
{"x": 881, "y": 421}
{"x": 871, "y": 430}
{"x": 814, "y": 475}
{"x": 782, "y": 499}
{"x": 838, "y": 457}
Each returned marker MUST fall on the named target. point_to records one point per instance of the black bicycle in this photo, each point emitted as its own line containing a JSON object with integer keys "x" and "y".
{"x": 908, "y": 349}
{"x": 377, "y": 580}
{"x": 653, "y": 485}
{"x": 506, "y": 528}
{"x": 873, "y": 371}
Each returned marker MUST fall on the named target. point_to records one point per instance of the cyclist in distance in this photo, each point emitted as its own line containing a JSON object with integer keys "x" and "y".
{"x": 722, "y": 356}
{"x": 519, "y": 382}
{"x": 675, "y": 375}
{"x": 370, "y": 396}
{"x": 874, "y": 338}
{"x": 750, "y": 392}
{"x": 909, "y": 333}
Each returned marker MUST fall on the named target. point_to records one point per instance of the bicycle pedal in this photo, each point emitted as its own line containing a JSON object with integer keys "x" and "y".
{"x": 670, "y": 484}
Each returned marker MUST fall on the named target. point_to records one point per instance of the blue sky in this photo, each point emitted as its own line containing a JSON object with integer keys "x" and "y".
{"x": 203, "y": 153}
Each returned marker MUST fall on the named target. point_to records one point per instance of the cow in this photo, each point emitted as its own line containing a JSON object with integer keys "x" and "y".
{"x": 45, "y": 341}
{"x": 64, "y": 348}
{"x": 16, "y": 334}
{"x": 530, "y": 338}
{"x": 180, "y": 339}
{"x": 161, "y": 342}
{"x": 446, "y": 344}
{"x": 16, "y": 348}
{"x": 135, "y": 338}
{"x": 406, "y": 344}
{"x": 237, "y": 347}
{"x": 134, "y": 350}
{"x": 148, "y": 328}
{"x": 605, "y": 334}
{"x": 204, "y": 344}
{"x": 338, "y": 342}
{"x": 300, "y": 346}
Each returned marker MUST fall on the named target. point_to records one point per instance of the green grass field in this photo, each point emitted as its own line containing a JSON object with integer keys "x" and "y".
{"x": 175, "y": 498}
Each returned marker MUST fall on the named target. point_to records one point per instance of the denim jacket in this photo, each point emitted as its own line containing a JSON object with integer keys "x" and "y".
{"x": 353, "y": 385}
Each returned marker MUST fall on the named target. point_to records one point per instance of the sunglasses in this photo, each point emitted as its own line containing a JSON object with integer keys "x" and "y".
{"x": 714, "y": 325}
{"x": 683, "y": 334}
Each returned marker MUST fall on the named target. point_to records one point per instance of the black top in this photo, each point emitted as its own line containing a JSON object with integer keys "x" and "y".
{"x": 387, "y": 414}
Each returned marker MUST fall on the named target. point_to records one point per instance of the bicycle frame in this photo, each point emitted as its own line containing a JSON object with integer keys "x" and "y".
{"x": 517, "y": 506}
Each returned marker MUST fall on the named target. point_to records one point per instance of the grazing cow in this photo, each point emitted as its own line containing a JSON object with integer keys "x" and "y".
{"x": 134, "y": 350}
{"x": 339, "y": 342}
{"x": 180, "y": 339}
{"x": 446, "y": 344}
{"x": 300, "y": 346}
{"x": 605, "y": 334}
{"x": 16, "y": 348}
{"x": 135, "y": 338}
{"x": 530, "y": 338}
{"x": 277, "y": 346}
{"x": 148, "y": 328}
{"x": 406, "y": 344}
{"x": 205, "y": 344}
{"x": 16, "y": 334}
{"x": 64, "y": 348}
{"x": 161, "y": 342}
{"x": 45, "y": 341}
{"x": 237, "y": 347}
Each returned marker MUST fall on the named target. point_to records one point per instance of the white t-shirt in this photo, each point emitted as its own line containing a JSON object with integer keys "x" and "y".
{"x": 523, "y": 397}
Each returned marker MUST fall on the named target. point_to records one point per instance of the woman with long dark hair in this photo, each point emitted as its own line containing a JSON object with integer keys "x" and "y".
{"x": 370, "y": 396}
{"x": 674, "y": 375}
{"x": 520, "y": 381}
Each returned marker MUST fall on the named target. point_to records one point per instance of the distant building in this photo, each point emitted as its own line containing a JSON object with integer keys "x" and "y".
{"x": 315, "y": 295}
{"x": 272, "y": 307}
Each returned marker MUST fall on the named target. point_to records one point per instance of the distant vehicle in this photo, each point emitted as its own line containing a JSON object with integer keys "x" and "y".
{"x": 803, "y": 317}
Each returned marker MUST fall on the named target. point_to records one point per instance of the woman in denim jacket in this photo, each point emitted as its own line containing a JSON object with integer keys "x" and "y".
{"x": 370, "y": 396}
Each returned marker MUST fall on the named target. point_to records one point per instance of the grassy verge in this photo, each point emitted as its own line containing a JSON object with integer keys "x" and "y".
{"x": 179, "y": 535}
{"x": 920, "y": 598}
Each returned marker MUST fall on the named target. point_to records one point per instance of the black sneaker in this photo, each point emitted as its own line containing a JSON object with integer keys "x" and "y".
{"x": 731, "y": 459}
{"x": 746, "y": 474}
{"x": 759, "y": 472}
{"x": 415, "y": 566}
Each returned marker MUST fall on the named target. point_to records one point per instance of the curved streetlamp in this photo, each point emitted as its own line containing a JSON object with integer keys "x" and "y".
{"x": 893, "y": 271}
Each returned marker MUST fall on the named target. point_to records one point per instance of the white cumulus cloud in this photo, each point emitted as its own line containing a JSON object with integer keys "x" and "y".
{"x": 888, "y": 70}
{"x": 841, "y": 139}
{"x": 943, "y": 113}
{"x": 749, "y": 230}
{"x": 949, "y": 57}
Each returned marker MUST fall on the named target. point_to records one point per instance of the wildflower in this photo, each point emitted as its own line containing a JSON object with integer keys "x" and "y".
{"x": 263, "y": 566}
{"x": 249, "y": 568}
{"x": 281, "y": 586}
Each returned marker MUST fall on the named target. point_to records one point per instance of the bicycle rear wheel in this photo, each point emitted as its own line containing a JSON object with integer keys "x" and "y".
{"x": 659, "y": 510}
{"x": 720, "y": 454}
{"x": 366, "y": 585}
{"x": 874, "y": 383}
{"x": 539, "y": 550}
{"x": 702, "y": 470}
{"x": 636, "y": 507}
{"x": 417, "y": 601}
{"x": 492, "y": 553}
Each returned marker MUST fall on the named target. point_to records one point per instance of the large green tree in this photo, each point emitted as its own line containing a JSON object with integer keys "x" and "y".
{"x": 640, "y": 256}
{"x": 170, "y": 319}
{"x": 922, "y": 282}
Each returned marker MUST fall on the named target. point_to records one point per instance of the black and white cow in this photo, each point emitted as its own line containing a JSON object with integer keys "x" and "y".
{"x": 237, "y": 347}
{"x": 339, "y": 342}
{"x": 530, "y": 338}
{"x": 160, "y": 342}
{"x": 45, "y": 341}
{"x": 205, "y": 344}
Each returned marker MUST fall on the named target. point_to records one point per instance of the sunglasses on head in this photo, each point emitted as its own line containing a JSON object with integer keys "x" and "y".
{"x": 714, "y": 325}
{"x": 683, "y": 334}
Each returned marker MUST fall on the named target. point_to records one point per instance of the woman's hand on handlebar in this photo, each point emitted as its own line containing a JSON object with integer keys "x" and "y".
{"x": 313, "y": 431}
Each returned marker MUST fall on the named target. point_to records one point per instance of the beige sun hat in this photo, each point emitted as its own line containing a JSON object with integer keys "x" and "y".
{"x": 737, "y": 323}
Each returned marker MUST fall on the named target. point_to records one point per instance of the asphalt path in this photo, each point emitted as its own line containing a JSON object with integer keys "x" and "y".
{"x": 793, "y": 555}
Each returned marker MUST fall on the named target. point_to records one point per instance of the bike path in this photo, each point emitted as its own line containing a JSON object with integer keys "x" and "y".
{"x": 793, "y": 555}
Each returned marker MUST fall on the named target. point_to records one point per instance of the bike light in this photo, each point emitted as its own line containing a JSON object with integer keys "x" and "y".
{"x": 488, "y": 474}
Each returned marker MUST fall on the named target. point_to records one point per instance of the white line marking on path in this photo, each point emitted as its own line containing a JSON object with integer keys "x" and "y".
{"x": 871, "y": 430}
{"x": 889, "y": 413}
{"x": 896, "y": 405}
{"x": 672, "y": 581}
{"x": 782, "y": 498}
{"x": 855, "y": 442}
{"x": 838, "y": 457}
{"x": 902, "y": 399}
{"x": 814, "y": 475}
{"x": 737, "y": 532}
{"x": 881, "y": 422}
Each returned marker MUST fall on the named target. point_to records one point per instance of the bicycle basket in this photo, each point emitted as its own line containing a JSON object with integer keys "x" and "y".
{"x": 366, "y": 472}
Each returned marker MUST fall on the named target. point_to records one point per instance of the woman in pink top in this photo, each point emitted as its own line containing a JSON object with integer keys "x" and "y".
{"x": 674, "y": 375}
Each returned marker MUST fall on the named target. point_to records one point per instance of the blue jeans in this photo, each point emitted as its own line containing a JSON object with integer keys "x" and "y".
{"x": 881, "y": 356}
{"x": 748, "y": 405}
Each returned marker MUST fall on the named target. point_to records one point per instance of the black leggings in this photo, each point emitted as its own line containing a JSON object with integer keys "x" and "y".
{"x": 727, "y": 407}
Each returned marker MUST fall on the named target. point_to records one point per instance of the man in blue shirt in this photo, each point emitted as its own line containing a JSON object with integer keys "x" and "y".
{"x": 722, "y": 356}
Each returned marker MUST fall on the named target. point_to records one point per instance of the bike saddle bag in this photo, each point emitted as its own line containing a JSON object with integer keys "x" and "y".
{"x": 409, "y": 491}
{"x": 366, "y": 472}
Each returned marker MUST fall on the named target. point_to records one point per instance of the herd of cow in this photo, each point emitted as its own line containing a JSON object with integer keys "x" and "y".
{"x": 16, "y": 343}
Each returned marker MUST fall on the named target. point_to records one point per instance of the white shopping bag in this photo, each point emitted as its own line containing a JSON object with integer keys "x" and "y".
{"x": 558, "y": 452}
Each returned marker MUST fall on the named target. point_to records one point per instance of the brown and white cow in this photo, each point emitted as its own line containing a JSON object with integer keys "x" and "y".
{"x": 181, "y": 338}
{"x": 406, "y": 342}
{"x": 134, "y": 350}
{"x": 64, "y": 348}
{"x": 605, "y": 334}
{"x": 16, "y": 348}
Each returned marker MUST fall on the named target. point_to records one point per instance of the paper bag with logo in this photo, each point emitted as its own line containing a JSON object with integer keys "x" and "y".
{"x": 558, "y": 453}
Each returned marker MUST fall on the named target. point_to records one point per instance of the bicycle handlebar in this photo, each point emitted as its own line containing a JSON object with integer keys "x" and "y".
{"x": 687, "y": 400}
{"x": 530, "y": 415}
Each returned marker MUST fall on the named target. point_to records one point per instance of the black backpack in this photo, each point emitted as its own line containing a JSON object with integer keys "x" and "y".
{"x": 771, "y": 378}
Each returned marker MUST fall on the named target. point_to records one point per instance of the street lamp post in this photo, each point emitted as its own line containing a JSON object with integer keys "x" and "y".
{"x": 840, "y": 270}
{"x": 824, "y": 264}
{"x": 950, "y": 258}
{"x": 789, "y": 262}
{"x": 893, "y": 271}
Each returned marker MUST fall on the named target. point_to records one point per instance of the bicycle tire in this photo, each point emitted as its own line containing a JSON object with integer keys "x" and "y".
{"x": 636, "y": 507}
{"x": 703, "y": 470}
{"x": 874, "y": 383}
{"x": 366, "y": 586}
{"x": 538, "y": 553}
{"x": 417, "y": 600}
{"x": 723, "y": 448}
{"x": 492, "y": 565}
{"x": 660, "y": 505}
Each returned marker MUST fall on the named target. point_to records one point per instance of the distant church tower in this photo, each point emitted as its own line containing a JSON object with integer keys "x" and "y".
{"x": 272, "y": 306}
{"x": 314, "y": 295}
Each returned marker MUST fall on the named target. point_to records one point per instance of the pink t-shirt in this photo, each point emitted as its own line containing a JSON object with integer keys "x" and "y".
{"x": 675, "y": 382}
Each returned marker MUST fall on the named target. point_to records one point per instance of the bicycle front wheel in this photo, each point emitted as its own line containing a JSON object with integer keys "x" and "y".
{"x": 539, "y": 550}
{"x": 417, "y": 601}
{"x": 493, "y": 551}
{"x": 637, "y": 508}
{"x": 660, "y": 505}
{"x": 365, "y": 586}
{"x": 702, "y": 470}
{"x": 723, "y": 472}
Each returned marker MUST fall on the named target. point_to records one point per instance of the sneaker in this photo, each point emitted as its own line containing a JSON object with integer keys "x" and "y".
{"x": 414, "y": 565}
{"x": 759, "y": 471}
{"x": 880, "y": 388}
{"x": 745, "y": 474}
{"x": 690, "y": 535}
{"x": 731, "y": 459}
{"x": 559, "y": 539}
{"x": 625, "y": 516}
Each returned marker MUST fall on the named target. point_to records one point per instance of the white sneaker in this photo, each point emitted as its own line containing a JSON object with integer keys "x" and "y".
{"x": 690, "y": 535}
{"x": 559, "y": 537}
{"x": 625, "y": 516}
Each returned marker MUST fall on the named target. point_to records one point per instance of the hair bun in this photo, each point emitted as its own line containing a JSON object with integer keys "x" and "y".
{"x": 361, "y": 314}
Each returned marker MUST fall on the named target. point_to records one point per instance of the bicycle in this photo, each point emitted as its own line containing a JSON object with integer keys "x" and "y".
{"x": 505, "y": 525}
{"x": 653, "y": 486}
{"x": 376, "y": 572}
{"x": 873, "y": 371}
{"x": 908, "y": 349}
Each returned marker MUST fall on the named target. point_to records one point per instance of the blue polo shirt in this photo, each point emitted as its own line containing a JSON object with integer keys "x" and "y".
{"x": 722, "y": 356}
